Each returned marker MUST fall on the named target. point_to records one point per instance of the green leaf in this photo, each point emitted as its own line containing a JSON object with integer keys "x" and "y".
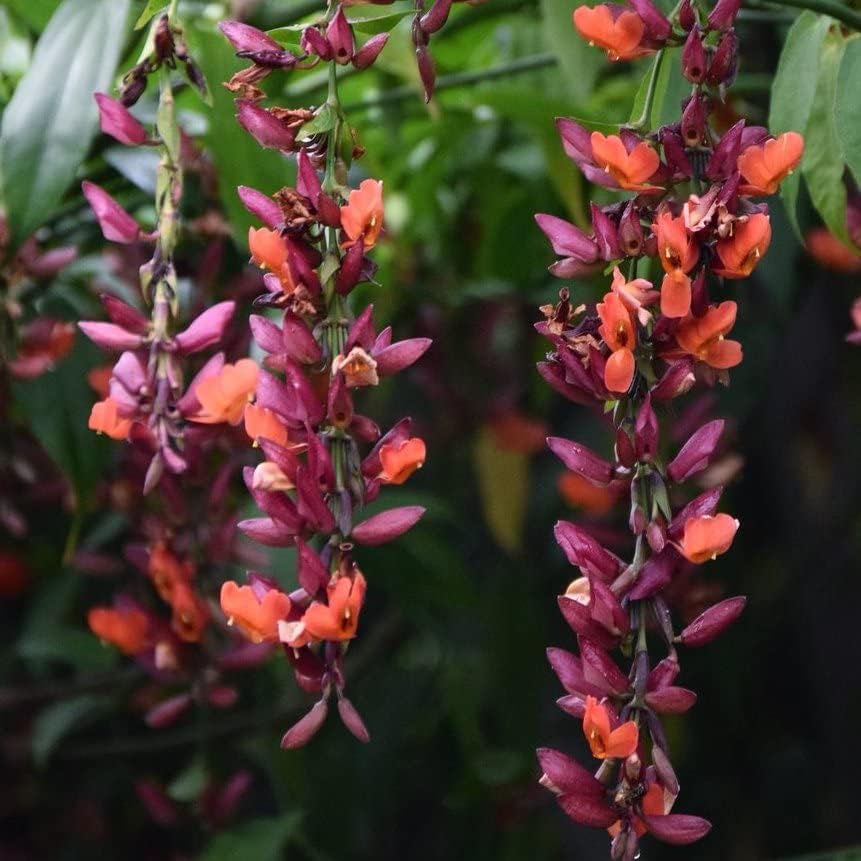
{"x": 260, "y": 839}
{"x": 36, "y": 13}
{"x": 580, "y": 63}
{"x": 372, "y": 20}
{"x": 190, "y": 782}
{"x": 846, "y": 115}
{"x": 323, "y": 122}
{"x": 794, "y": 89}
{"x": 669, "y": 89}
{"x": 56, "y": 721}
{"x": 823, "y": 164}
{"x": 70, "y": 646}
{"x": 149, "y": 11}
{"x": 48, "y": 125}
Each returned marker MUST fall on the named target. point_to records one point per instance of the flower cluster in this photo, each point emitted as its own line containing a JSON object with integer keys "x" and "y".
{"x": 314, "y": 479}
{"x": 694, "y": 218}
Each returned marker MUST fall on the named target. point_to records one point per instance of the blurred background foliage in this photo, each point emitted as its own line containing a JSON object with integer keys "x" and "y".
{"x": 450, "y": 673}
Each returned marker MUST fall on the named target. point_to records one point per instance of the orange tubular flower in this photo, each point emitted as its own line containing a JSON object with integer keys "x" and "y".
{"x": 257, "y": 618}
{"x": 619, "y": 37}
{"x": 604, "y": 743}
{"x": 764, "y": 166}
{"x": 741, "y": 252}
{"x": 263, "y": 423}
{"x": 190, "y": 614}
{"x": 362, "y": 216}
{"x": 268, "y": 251}
{"x": 619, "y": 334}
{"x": 104, "y": 419}
{"x": 358, "y": 368}
{"x": 707, "y": 537}
{"x": 636, "y": 294}
{"x": 703, "y": 337}
{"x": 339, "y": 619}
{"x": 401, "y": 459}
{"x": 166, "y": 572}
{"x": 224, "y": 396}
{"x": 679, "y": 253}
{"x": 124, "y": 628}
{"x": 630, "y": 169}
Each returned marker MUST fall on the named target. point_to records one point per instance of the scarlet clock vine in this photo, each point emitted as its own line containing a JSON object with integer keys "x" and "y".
{"x": 323, "y": 460}
{"x": 696, "y": 218}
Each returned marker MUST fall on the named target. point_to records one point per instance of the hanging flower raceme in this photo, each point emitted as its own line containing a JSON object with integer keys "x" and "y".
{"x": 323, "y": 459}
{"x": 635, "y": 351}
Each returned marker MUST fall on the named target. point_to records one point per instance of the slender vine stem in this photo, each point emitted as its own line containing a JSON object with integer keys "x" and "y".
{"x": 833, "y": 9}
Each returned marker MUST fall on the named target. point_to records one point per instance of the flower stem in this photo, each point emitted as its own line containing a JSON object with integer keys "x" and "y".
{"x": 833, "y": 9}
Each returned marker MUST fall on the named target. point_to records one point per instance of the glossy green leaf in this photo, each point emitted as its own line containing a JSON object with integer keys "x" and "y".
{"x": 373, "y": 19}
{"x": 823, "y": 163}
{"x": 56, "y": 722}
{"x": 260, "y": 839}
{"x": 847, "y": 116}
{"x": 48, "y": 125}
{"x": 580, "y": 63}
{"x": 149, "y": 11}
{"x": 794, "y": 89}
{"x": 36, "y": 13}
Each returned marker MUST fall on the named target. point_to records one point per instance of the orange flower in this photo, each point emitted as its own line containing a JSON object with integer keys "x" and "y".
{"x": 764, "y": 166}
{"x": 104, "y": 419}
{"x": 620, "y": 38}
{"x": 830, "y": 252}
{"x": 262, "y": 422}
{"x": 190, "y": 613}
{"x": 617, "y": 330}
{"x": 514, "y": 431}
{"x": 224, "y": 396}
{"x": 401, "y": 459}
{"x": 606, "y": 744}
{"x": 362, "y": 217}
{"x": 703, "y": 337}
{"x": 99, "y": 379}
{"x": 707, "y": 537}
{"x": 125, "y": 628}
{"x": 581, "y": 493}
{"x": 740, "y": 253}
{"x": 339, "y": 619}
{"x": 166, "y": 571}
{"x": 679, "y": 253}
{"x": 629, "y": 169}
{"x": 256, "y": 617}
{"x": 269, "y": 251}
{"x": 653, "y": 803}
{"x": 358, "y": 368}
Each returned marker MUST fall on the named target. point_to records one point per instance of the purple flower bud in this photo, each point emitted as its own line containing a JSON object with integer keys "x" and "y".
{"x": 158, "y": 804}
{"x": 298, "y": 341}
{"x": 339, "y": 403}
{"x": 427, "y": 73}
{"x": 554, "y": 375}
{"x": 665, "y": 771}
{"x": 566, "y": 239}
{"x": 388, "y": 525}
{"x": 606, "y": 234}
{"x": 274, "y": 395}
{"x": 600, "y": 670}
{"x": 435, "y": 19}
{"x": 245, "y": 38}
{"x": 222, "y": 696}
{"x": 582, "y": 460}
{"x": 244, "y": 656}
{"x": 587, "y": 810}
{"x": 725, "y": 156}
{"x": 663, "y": 674}
{"x": 116, "y": 121}
{"x": 625, "y": 454}
{"x": 264, "y": 127}
{"x": 168, "y": 711}
{"x": 116, "y": 224}
{"x": 124, "y": 315}
{"x": 675, "y": 155}
{"x": 677, "y": 381}
{"x": 306, "y": 727}
{"x": 646, "y": 432}
{"x": 266, "y": 531}
{"x": 577, "y": 615}
{"x": 631, "y": 231}
{"x": 314, "y": 42}
{"x": 309, "y": 407}
{"x": 339, "y": 35}
{"x": 694, "y": 121}
{"x": 109, "y": 336}
{"x": 398, "y": 433}
{"x": 710, "y": 624}
{"x": 722, "y": 17}
{"x": 654, "y": 575}
{"x": 207, "y": 329}
{"x": 353, "y": 720}
{"x": 368, "y": 53}
{"x": 658, "y": 26}
{"x": 566, "y": 775}
{"x": 313, "y": 576}
{"x": 586, "y": 553}
{"x": 310, "y": 502}
{"x": 687, "y": 16}
{"x": 694, "y": 57}
{"x": 696, "y": 453}
{"x": 724, "y": 61}
{"x": 266, "y": 334}
{"x": 576, "y": 140}
{"x": 261, "y": 206}
{"x": 676, "y": 828}
{"x": 671, "y": 700}
{"x": 400, "y": 355}
{"x": 656, "y": 535}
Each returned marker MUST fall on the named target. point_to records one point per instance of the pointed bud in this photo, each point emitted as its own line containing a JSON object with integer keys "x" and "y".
{"x": 427, "y": 72}
{"x": 582, "y": 460}
{"x": 696, "y": 453}
{"x": 246, "y": 39}
{"x": 586, "y": 553}
{"x": 722, "y": 17}
{"x": 435, "y": 19}
{"x": 606, "y": 234}
{"x": 353, "y": 720}
{"x": 116, "y": 121}
{"x": 687, "y": 16}
{"x": 116, "y": 224}
{"x": 339, "y": 35}
{"x": 306, "y": 727}
{"x": 261, "y": 206}
{"x": 368, "y": 53}
{"x": 109, "y": 336}
{"x": 646, "y": 432}
{"x": 566, "y": 775}
{"x": 710, "y": 624}
{"x": 694, "y": 57}
{"x": 168, "y": 711}
{"x": 264, "y": 127}
{"x": 665, "y": 771}
{"x": 631, "y": 232}
{"x": 400, "y": 355}
{"x": 388, "y": 525}
{"x": 314, "y": 42}
{"x": 298, "y": 341}
{"x": 724, "y": 61}
{"x": 694, "y": 121}
{"x": 671, "y": 700}
{"x": 677, "y": 829}
{"x": 207, "y": 329}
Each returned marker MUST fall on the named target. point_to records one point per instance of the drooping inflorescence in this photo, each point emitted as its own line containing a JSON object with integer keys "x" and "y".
{"x": 693, "y": 220}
